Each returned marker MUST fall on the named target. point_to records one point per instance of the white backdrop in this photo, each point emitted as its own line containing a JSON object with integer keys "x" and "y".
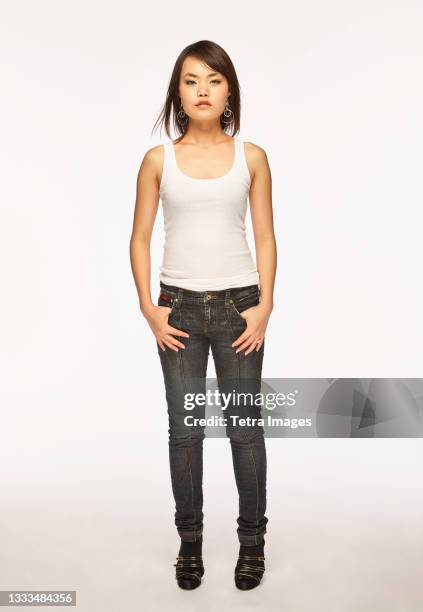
{"x": 332, "y": 91}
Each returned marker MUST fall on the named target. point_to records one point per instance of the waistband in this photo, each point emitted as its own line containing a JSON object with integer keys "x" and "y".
{"x": 224, "y": 295}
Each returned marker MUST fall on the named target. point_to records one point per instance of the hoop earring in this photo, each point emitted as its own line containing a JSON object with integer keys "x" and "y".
{"x": 182, "y": 115}
{"x": 227, "y": 113}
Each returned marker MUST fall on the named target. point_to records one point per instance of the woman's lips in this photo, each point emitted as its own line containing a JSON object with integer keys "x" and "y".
{"x": 203, "y": 105}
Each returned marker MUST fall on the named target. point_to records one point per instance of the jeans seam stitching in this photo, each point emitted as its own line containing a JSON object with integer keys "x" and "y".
{"x": 257, "y": 487}
{"x": 192, "y": 493}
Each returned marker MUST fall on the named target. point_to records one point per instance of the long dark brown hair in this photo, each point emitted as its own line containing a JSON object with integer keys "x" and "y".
{"x": 211, "y": 54}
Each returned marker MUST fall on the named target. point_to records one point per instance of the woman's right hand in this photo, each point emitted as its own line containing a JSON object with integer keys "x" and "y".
{"x": 157, "y": 317}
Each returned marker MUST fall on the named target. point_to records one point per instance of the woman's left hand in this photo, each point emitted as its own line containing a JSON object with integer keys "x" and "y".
{"x": 252, "y": 338}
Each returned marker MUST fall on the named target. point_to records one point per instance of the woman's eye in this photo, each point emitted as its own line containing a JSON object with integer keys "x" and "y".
{"x": 189, "y": 81}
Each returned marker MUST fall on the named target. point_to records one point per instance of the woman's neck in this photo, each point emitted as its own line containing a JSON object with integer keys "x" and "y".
{"x": 205, "y": 138}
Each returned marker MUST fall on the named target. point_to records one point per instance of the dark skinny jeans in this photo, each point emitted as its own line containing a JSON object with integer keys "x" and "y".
{"x": 212, "y": 319}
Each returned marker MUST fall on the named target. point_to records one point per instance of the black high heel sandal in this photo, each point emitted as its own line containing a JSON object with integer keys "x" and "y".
{"x": 248, "y": 576}
{"x": 187, "y": 577}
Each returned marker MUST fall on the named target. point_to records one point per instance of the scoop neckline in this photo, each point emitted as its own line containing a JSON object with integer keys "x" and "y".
{"x": 215, "y": 178}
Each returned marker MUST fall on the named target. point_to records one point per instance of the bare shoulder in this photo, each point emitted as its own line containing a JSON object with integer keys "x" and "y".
{"x": 154, "y": 156}
{"x": 256, "y": 157}
{"x": 152, "y": 163}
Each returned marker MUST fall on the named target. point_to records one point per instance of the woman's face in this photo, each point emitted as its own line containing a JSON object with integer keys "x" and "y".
{"x": 200, "y": 83}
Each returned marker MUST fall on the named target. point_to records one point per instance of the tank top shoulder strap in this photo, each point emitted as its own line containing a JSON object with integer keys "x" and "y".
{"x": 165, "y": 165}
{"x": 167, "y": 161}
{"x": 242, "y": 160}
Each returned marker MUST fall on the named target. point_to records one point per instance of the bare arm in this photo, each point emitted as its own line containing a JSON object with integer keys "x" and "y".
{"x": 146, "y": 206}
{"x": 262, "y": 220}
{"x": 262, "y": 217}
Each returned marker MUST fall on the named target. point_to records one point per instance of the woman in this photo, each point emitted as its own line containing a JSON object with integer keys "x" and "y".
{"x": 212, "y": 295}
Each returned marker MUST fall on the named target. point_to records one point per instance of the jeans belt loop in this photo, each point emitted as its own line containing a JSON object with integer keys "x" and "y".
{"x": 227, "y": 297}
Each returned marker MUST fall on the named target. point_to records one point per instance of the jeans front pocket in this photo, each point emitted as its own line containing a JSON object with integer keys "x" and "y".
{"x": 244, "y": 300}
{"x": 168, "y": 299}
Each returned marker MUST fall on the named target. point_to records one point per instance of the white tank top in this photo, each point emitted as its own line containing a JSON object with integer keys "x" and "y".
{"x": 204, "y": 221}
